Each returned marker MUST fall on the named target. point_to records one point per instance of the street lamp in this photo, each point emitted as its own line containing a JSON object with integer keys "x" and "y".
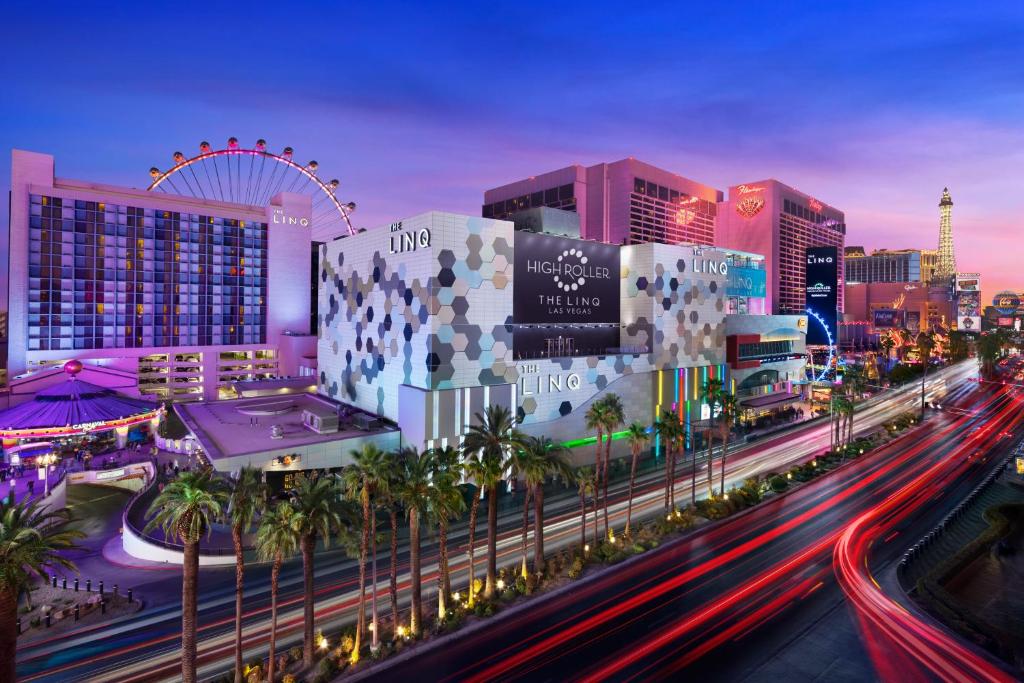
{"x": 46, "y": 460}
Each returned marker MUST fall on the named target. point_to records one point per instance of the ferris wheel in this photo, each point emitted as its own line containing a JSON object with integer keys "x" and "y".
{"x": 252, "y": 177}
{"x": 820, "y": 361}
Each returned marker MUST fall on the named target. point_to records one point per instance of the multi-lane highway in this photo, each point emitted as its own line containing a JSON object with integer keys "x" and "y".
{"x": 660, "y": 613}
{"x": 145, "y": 647}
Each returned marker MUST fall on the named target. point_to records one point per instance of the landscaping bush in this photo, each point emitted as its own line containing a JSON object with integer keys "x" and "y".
{"x": 327, "y": 667}
{"x": 576, "y": 569}
{"x": 295, "y": 653}
{"x": 778, "y": 483}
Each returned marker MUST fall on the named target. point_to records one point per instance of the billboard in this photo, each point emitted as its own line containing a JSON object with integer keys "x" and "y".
{"x": 1005, "y": 322}
{"x": 968, "y": 282}
{"x": 1006, "y": 302}
{"x": 968, "y": 302}
{"x": 821, "y": 288}
{"x": 562, "y": 281}
{"x": 743, "y": 281}
{"x": 885, "y": 318}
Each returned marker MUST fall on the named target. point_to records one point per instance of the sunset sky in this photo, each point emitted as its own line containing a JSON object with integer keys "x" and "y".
{"x": 415, "y": 107}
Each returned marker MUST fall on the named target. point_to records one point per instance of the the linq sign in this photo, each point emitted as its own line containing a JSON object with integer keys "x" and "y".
{"x": 563, "y": 281}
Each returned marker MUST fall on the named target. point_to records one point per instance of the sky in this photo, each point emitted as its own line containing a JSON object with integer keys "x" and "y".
{"x": 419, "y": 106}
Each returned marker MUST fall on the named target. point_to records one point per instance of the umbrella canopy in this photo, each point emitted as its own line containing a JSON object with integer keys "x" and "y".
{"x": 74, "y": 407}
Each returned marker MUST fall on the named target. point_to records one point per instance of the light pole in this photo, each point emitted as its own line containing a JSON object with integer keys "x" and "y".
{"x": 46, "y": 460}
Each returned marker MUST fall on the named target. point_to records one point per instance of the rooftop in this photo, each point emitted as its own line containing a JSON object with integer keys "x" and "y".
{"x": 242, "y": 426}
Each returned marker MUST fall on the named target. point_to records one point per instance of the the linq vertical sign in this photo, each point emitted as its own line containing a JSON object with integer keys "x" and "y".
{"x": 822, "y": 282}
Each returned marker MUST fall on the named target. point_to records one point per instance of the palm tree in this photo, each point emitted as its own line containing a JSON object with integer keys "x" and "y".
{"x": 186, "y": 508}
{"x": 730, "y": 409}
{"x": 318, "y": 513}
{"x": 517, "y": 462}
{"x": 586, "y": 483}
{"x": 415, "y": 493}
{"x": 614, "y": 416}
{"x": 247, "y": 500}
{"x": 445, "y": 503}
{"x": 393, "y": 474}
{"x": 448, "y": 460}
{"x": 31, "y": 540}
{"x": 546, "y": 458}
{"x": 367, "y": 472}
{"x": 638, "y": 439}
{"x": 277, "y": 537}
{"x": 596, "y": 418}
{"x": 670, "y": 429}
{"x": 712, "y": 396}
{"x": 492, "y": 437}
{"x": 479, "y": 470}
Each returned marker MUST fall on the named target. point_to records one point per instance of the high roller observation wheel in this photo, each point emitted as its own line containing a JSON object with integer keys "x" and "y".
{"x": 823, "y": 376}
{"x": 221, "y": 180}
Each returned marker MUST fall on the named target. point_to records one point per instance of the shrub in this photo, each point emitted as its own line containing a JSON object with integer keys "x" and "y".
{"x": 778, "y": 483}
{"x": 289, "y": 678}
{"x": 348, "y": 642}
{"x": 295, "y": 653}
{"x": 327, "y": 667}
{"x": 576, "y": 569}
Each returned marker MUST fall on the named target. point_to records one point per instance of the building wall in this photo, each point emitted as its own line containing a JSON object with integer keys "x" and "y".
{"x": 768, "y": 217}
{"x": 613, "y": 207}
{"x": 424, "y": 336}
{"x": 257, "y": 292}
{"x": 432, "y": 317}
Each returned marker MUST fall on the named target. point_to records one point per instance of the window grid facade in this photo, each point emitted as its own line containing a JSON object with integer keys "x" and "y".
{"x": 765, "y": 349}
{"x": 562, "y": 197}
{"x": 114, "y": 276}
{"x": 661, "y": 214}
{"x": 795, "y": 235}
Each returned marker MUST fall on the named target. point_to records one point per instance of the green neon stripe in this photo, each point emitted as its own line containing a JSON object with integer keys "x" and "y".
{"x": 586, "y": 441}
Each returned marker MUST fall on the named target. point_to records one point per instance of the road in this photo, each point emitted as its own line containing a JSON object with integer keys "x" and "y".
{"x": 145, "y": 647}
{"x": 659, "y": 614}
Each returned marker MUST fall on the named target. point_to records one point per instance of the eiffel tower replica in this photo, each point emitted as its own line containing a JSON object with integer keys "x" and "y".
{"x": 945, "y": 269}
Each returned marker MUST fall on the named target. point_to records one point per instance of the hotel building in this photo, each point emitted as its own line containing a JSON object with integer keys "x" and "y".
{"x": 427, "y": 321}
{"x": 623, "y": 202}
{"x": 172, "y": 297}
{"x": 884, "y": 265}
{"x": 774, "y": 219}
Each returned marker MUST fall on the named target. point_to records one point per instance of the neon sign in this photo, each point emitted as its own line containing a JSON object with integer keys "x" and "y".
{"x": 748, "y": 207}
{"x": 747, "y": 189}
{"x": 279, "y": 218}
{"x": 814, "y": 204}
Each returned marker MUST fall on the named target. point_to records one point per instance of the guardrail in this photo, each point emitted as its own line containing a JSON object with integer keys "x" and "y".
{"x": 956, "y": 513}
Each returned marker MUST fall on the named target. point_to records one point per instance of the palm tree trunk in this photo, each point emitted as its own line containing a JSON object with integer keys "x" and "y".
{"x": 597, "y": 462}
{"x": 275, "y": 573}
{"x": 442, "y": 568}
{"x": 632, "y": 481}
{"x": 473, "y": 509}
{"x": 668, "y": 475}
{"x": 607, "y": 476}
{"x": 393, "y": 587}
{"x": 538, "y": 527}
{"x": 492, "y": 541}
{"x": 725, "y": 450}
{"x": 693, "y": 476}
{"x": 416, "y": 618}
{"x": 596, "y": 523}
{"x": 526, "y": 530}
{"x": 308, "y": 545}
{"x": 189, "y": 579}
{"x": 374, "y": 639}
{"x": 236, "y": 539}
{"x": 583, "y": 521}
{"x": 364, "y": 543}
{"x": 8, "y": 634}
{"x": 711, "y": 461}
